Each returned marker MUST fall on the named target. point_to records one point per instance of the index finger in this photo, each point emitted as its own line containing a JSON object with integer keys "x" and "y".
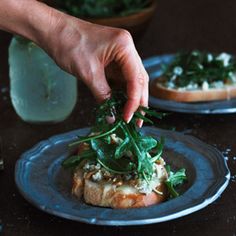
{"x": 137, "y": 81}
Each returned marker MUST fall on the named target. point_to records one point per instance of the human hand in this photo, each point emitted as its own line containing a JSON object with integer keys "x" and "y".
{"x": 81, "y": 48}
{"x": 85, "y": 50}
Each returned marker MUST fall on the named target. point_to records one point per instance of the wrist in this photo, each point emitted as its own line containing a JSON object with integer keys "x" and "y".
{"x": 38, "y": 21}
{"x": 65, "y": 32}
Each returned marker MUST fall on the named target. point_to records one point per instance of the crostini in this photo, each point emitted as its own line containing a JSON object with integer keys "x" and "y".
{"x": 197, "y": 77}
{"x": 100, "y": 187}
{"x": 119, "y": 167}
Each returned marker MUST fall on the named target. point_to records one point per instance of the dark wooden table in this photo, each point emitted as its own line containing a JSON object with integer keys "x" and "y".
{"x": 187, "y": 24}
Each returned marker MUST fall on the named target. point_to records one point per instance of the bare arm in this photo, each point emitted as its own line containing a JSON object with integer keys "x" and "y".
{"x": 81, "y": 48}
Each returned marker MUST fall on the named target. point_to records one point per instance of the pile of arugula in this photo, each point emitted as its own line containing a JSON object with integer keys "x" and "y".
{"x": 197, "y": 67}
{"x": 102, "y": 8}
{"x": 113, "y": 156}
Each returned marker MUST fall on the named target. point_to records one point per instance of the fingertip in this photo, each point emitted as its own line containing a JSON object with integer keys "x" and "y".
{"x": 128, "y": 117}
{"x": 131, "y": 106}
{"x": 139, "y": 123}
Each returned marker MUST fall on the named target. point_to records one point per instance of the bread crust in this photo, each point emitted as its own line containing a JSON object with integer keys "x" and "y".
{"x": 159, "y": 91}
{"x": 109, "y": 195}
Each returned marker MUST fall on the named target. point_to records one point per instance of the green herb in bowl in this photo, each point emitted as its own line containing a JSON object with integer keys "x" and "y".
{"x": 102, "y": 8}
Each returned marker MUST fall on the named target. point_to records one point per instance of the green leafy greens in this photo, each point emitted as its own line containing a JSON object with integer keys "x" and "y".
{"x": 102, "y": 8}
{"x": 132, "y": 153}
{"x": 196, "y": 67}
{"x": 175, "y": 179}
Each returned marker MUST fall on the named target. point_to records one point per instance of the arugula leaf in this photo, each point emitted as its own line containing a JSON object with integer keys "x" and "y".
{"x": 175, "y": 179}
{"x": 144, "y": 118}
{"x": 137, "y": 153}
{"x": 146, "y": 143}
{"x": 86, "y": 139}
{"x": 131, "y": 132}
{"x": 122, "y": 148}
{"x": 146, "y": 167}
{"x": 158, "y": 150}
{"x": 158, "y": 115}
{"x": 105, "y": 154}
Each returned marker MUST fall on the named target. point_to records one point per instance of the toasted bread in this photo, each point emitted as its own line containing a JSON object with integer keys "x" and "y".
{"x": 158, "y": 90}
{"x": 115, "y": 195}
{"x": 99, "y": 187}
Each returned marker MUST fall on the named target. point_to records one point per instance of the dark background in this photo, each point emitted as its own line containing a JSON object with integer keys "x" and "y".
{"x": 187, "y": 24}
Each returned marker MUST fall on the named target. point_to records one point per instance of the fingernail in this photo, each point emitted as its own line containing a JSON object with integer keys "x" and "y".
{"x": 129, "y": 118}
{"x": 140, "y": 123}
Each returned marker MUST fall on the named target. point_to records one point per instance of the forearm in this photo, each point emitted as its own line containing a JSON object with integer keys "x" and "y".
{"x": 81, "y": 48}
{"x": 29, "y": 18}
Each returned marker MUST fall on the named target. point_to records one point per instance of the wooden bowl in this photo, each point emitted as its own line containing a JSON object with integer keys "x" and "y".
{"x": 135, "y": 23}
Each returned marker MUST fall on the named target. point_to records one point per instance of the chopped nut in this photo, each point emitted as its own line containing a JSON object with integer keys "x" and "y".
{"x": 119, "y": 183}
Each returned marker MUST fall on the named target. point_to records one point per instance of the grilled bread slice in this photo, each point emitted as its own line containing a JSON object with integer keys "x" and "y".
{"x": 158, "y": 90}
{"x": 117, "y": 194}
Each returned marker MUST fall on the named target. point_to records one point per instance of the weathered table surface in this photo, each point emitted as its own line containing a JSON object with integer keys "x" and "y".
{"x": 188, "y": 24}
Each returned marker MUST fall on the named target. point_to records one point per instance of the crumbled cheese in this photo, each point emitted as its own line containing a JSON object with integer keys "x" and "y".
{"x": 159, "y": 171}
{"x": 89, "y": 167}
{"x": 128, "y": 177}
{"x": 86, "y": 166}
{"x": 92, "y": 167}
{"x": 162, "y": 161}
{"x": 116, "y": 139}
{"x": 225, "y": 58}
{"x": 144, "y": 187}
{"x": 217, "y": 84}
{"x": 205, "y": 86}
{"x": 106, "y": 173}
{"x": 200, "y": 66}
{"x": 209, "y": 57}
{"x": 232, "y": 76}
{"x": 181, "y": 89}
{"x": 93, "y": 133}
{"x": 97, "y": 166}
{"x": 97, "y": 176}
{"x": 195, "y": 53}
{"x": 178, "y": 70}
{"x": 127, "y": 189}
{"x": 170, "y": 85}
{"x": 173, "y": 78}
{"x": 192, "y": 86}
{"x": 136, "y": 176}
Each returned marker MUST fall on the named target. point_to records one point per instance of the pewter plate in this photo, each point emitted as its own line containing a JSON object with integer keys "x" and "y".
{"x": 153, "y": 67}
{"x": 44, "y": 183}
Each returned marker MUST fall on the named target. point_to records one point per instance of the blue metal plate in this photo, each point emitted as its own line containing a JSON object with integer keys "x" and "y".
{"x": 44, "y": 183}
{"x": 153, "y": 67}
